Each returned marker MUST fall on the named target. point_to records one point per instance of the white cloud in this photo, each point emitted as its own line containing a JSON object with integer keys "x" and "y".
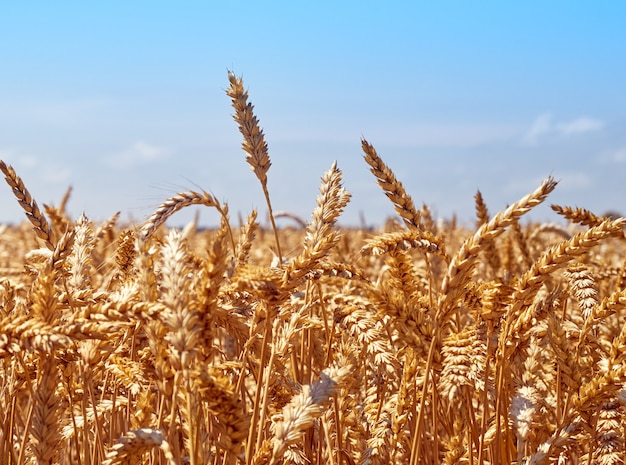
{"x": 65, "y": 113}
{"x": 461, "y": 135}
{"x": 619, "y": 155}
{"x": 36, "y": 171}
{"x": 574, "y": 180}
{"x": 28, "y": 161}
{"x": 440, "y": 134}
{"x": 139, "y": 153}
{"x": 540, "y": 127}
{"x": 522, "y": 185}
{"x": 544, "y": 126}
{"x": 19, "y": 161}
{"x": 579, "y": 126}
{"x": 7, "y": 155}
{"x": 56, "y": 175}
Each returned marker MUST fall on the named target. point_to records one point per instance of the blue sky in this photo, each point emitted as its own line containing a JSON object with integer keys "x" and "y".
{"x": 125, "y": 102}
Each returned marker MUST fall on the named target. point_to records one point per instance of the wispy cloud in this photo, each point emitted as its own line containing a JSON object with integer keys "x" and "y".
{"x": 56, "y": 175}
{"x": 7, "y": 154}
{"x": 574, "y": 180}
{"x": 579, "y": 126}
{"x": 522, "y": 183}
{"x": 541, "y": 126}
{"x": 619, "y": 156}
{"x": 545, "y": 126}
{"x": 65, "y": 113}
{"x": 567, "y": 181}
{"x": 139, "y": 153}
{"x": 18, "y": 159}
{"x": 462, "y": 135}
{"x": 443, "y": 135}
{"x": 35, "y": 168}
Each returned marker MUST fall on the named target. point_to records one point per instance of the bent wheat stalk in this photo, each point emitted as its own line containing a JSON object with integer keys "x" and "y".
{"x": 178, "y": 202}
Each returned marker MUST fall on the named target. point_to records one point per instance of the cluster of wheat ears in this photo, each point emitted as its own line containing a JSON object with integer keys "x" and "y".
{"x": 421, "y": 342}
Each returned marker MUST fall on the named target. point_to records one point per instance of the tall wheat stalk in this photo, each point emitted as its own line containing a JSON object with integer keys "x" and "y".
{"x": 253, "y": 144}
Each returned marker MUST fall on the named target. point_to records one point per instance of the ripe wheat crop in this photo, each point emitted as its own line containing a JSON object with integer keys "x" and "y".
{"x": 420, "y": 342}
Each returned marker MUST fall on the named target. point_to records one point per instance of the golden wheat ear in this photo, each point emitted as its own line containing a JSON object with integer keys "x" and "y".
{"x": 254, "y": 143}
{"x": 305, "y": 407}
{"x": 321, "y": 236}
{"x": 482, "y": 217}
{"x": 465, "y": 260}
{"x": 394, "y": 190}
{"x": 134, "y": 443}
{"x": 580, "y": 216}
{"x": 178, "y": 202}
{"x": 28, "y": 204}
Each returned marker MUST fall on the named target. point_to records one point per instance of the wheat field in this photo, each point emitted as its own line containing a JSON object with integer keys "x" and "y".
{"x": 420, "y": 342}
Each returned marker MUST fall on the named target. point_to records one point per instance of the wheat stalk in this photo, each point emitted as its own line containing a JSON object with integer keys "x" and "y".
{"x": 176, "y": 203}
{"x": 253, "y": 142}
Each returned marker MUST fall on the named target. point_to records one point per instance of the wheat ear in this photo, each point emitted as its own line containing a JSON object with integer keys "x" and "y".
{"x": 254, "y": 143}
{"x": 135, "y": 442}
{"x": 79, "y": 260}
{"x": 464, "y": 261}
{"x": 246, "y": 237}
{"x": 482, "y": 215}
{"x": 394, "y": 190}
{"x": 304, "y": 408}
{"x": 174, "y": 204}
{"x": 404, "y": 240}
{"x": 584, "y": 288}
{"x": 581, "y": 216}
{"x": 46, "y": 412}
{"x": 181, "y": 318}
{"x": 320, "y": 235}
{"x": 28, "y": 204}
{"x": 178, "y": 202}
{"x": 519, "y": 314}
